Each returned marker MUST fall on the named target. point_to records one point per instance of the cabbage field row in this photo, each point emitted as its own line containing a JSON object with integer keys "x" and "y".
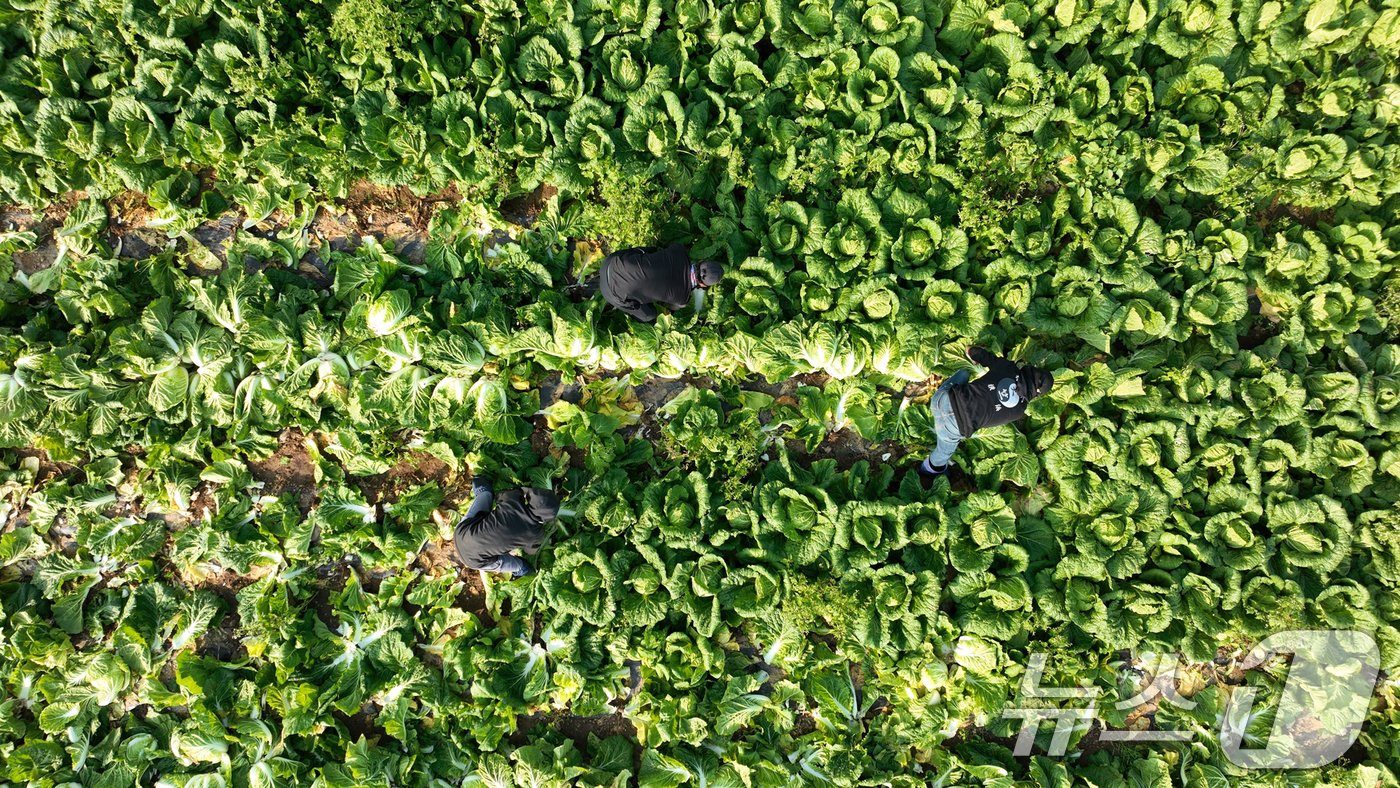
{"x": 232, "y": 461}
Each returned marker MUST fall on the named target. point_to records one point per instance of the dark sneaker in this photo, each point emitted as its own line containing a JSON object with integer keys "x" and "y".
{"x": 927, "y": 477}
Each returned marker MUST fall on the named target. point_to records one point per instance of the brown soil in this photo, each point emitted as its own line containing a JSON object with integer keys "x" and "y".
{"x": 440, "y": 557}
{"x": 473, "y": 596}
{"x": 203, "y": 502}
{"x": 167, "y": 674}
{"x": 129, "y": 211}
{"x": 649, "y": 429}
{"x": 330, "y": 580}
{"x": 1308, "y": 217}
{"x": 16, "y": 219}
{"x": 802, "y": 725}
{"x": 21, "y": 571}
{"x": 418, "y": 467}
{"x": 654, "y": 395}
{"x": 227, "y": 584}
{"x": 922, "y": 390}
{"x": 63, "y": 536}
{"x": 602, "y": 726}
{"x": 314, "y": 269}
{"x": 457, "y": 491}
{"x": 1260, "y": 331}
{"x": 57, "y": 211}
{"x": 335, "y": 230}
{"x": 395, "y": 215}
{"x": 289, "y": 471}
{"x": 372, "y": 579}
{"x": 847, "y": 447}
{"x": 574, "y": 727}
{"x": 48, "y": 469}
{"x": 42, "y": 256}
{"x": 525, "y": 210}
{"x": 1093, "y": 742}
{"x": 42, "y": 224}
{"x": 437, "y": 557}
{"x": 524, "y": 723}
{"x": 383, "y": 206}
{"x": 541, "y": 439}
{"x": 782, "y": 389}
{"x": 634, "y": 681}
{"x": 578, "y": 457}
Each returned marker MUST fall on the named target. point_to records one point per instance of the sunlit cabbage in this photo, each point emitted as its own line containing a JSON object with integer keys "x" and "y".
{"x": 389, "y": 312}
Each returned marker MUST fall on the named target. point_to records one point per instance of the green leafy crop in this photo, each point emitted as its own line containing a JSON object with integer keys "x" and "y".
{"x": 244, "y": 392}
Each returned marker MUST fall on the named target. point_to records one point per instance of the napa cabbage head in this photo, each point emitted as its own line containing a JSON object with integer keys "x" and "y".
{"x": 389, "y": 312}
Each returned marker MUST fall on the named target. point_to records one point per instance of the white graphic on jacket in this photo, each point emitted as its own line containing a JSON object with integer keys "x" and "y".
{"x": 1007, "y": 393}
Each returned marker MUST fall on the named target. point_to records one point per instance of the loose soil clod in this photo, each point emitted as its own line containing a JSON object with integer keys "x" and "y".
{"x": 575, "y": 727}
{"x": 289, "y": 471}
{"x": 417, "y": 467}
{"x": 525, "y": 210}
{"x": 473, "y": 596}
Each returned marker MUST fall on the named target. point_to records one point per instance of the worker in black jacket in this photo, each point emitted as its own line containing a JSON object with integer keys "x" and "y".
{"x": 486, "y": 536}
{"x": 633, "y": 280}
{"x": 961, "y": 408}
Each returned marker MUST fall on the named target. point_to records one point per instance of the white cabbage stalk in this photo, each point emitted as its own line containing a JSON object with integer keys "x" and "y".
{"x": 354, "y": 645}
{"x": 838, "y": 416}
{"x": 366, "y": 512}
{"x": 25, "y": 693}
{"x": 772, "y": 652}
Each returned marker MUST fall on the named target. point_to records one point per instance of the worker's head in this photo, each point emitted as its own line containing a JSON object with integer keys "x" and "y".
{"x": 1038, "y": 381}
{"x": 542, "y": 504}
{"x": 708, "y": 273}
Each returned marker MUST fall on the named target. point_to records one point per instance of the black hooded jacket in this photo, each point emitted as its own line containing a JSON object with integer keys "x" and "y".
{"x": 516, "y": 522}
{"x": 634, "y": 279}
{"x": 998, "y": 397}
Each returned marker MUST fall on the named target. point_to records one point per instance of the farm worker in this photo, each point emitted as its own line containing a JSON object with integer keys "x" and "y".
{"x": 486, "y": 536}
{"x": 961, "y": 408}
{"x": 634, "y": 279}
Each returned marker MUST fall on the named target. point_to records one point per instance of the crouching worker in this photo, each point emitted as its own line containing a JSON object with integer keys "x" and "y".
{"x": 634, "y": 280}
{"x": 487, "y": 535}
{"x": 961, "y": 408}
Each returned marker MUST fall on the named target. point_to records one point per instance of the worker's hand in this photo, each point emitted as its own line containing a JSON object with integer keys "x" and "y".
{"x": 970, "y": 349}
